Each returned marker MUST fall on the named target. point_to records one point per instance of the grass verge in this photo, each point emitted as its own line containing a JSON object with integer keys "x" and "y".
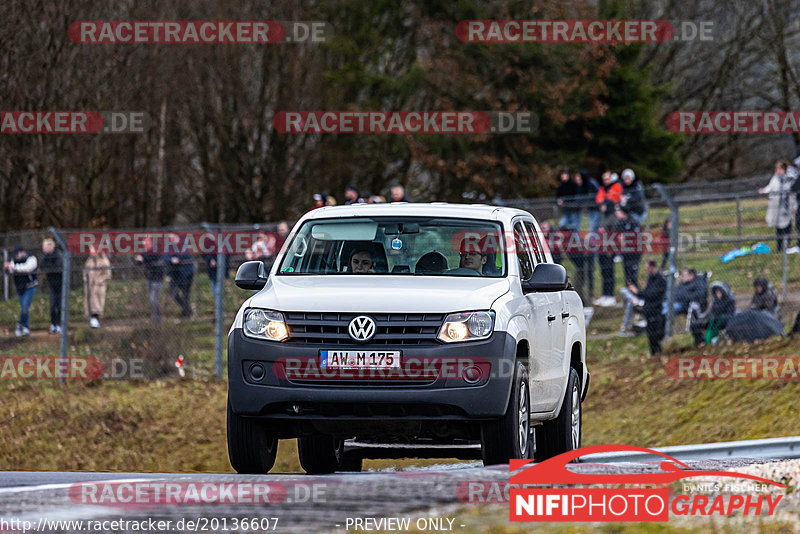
{"x": 179, "y": 425}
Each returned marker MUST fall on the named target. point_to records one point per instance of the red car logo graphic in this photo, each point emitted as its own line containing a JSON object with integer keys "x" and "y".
{"x": 554, "y": 470}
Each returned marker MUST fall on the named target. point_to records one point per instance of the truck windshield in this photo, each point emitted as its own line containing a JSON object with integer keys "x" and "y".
{"x": 403, "y": 246}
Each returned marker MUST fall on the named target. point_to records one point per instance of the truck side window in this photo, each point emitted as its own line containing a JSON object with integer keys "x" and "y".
{"x": 533, "y": 235}
{"x": 521, "y": 246}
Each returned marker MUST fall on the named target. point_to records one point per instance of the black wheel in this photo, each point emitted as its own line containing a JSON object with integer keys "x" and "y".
{"x": 351, "y": 461}
{"x": 320, "y": 454}
{"x": 509, "y": 436}
{"x": 563, "y": 433}
{"x": 251, "y": 448}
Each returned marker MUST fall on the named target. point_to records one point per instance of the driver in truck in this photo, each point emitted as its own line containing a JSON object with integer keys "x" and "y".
{"x": 361, "y": 262}
{"x": 472, "y": 260}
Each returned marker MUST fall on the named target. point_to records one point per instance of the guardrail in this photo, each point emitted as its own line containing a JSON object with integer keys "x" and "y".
{"x": 771, "y": 448}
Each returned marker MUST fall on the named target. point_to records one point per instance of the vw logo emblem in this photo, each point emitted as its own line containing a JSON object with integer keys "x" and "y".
{"x": 362, "y": 328}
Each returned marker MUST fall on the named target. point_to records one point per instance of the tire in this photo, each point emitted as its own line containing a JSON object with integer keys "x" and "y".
{"x": 563, "y": 433}
{"x": 510, "y": 436}
{"x": 352, "y": 462}
{"x": 320, "y": 454}
{"x": 251, "y": 448}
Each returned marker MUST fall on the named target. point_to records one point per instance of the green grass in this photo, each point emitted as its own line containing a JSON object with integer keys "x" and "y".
{"x": 179, "y": 425}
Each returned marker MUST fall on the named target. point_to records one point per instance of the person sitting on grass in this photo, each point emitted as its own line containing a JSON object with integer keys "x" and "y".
{"x": 707, "y": 326}
{"x": 764, "y": 295}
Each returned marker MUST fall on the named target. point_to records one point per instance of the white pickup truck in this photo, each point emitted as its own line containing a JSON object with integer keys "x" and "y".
{"x": 418, "y": 328}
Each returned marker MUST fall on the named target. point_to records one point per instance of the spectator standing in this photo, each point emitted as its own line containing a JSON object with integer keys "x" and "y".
{"x": 319, "y": 200}
{"x": 51, "y": 265}
{"x": 264, "y": 249}
{"x": 96, "y": 274}
{"x": 587, "y": 189}
{"x": 154, "y": 272}
{"x": 782, "y": 203}
{"x": 547, "y": 231}
{"x": 664, "y": 241}
{"x": 764, "y": 295}
{"x": 795, "y": 173}
{"x": 211, "y": 269}
{"x": 398, "y": 193}
{"x": 650, "y": 300}
{"x": 607, "y": 198}
{"x": 632, "y": 201}
{"x": 180, "y": 269}
{"x": 283, "y": 233}
{"x": 566, "y": 194}
{"x": 352, "y": 195}
{"x": 24, "y": 267}
{"x": 628, "y": 228}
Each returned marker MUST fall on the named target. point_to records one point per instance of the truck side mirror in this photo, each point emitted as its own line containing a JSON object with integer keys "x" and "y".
{"x": 251, "y": 275}
{"x": 546, "y": 277}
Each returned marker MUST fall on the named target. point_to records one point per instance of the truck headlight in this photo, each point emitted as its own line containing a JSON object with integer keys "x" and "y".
{"x": 265, "y": 324}
{"x": 467, "y": 326}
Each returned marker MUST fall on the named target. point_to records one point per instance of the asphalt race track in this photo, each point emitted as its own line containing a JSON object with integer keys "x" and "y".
{"x": 301, "y": 503}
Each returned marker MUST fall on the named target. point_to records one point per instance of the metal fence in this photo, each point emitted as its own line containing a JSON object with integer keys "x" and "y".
{"x": 718, "y": 231}
{"x": 147, "y": 325}
{"x": 150, "y": 330}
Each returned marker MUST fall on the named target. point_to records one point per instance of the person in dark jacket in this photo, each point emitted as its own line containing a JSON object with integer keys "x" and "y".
{"x": 628, "y": 228}
{"x": 692, "y": 288}
{"x": 24, "y": 267}
{"x": 651, "y": 297}
{"x": 588, "y": 189}
{"x": 705, "y": 327}
{"x": 211, "y": 269}
{"x": 51, "y": 265}
{"x": 398, "y": 194}
{"x": 664, "y": 241}
{"x": 764, "y": 295}
{"x": 566, "y": 194}
{"x": 154, "y": 272}
{"x": 352, "y": 195}
{"x": 632, "y": 201}
{"x": 180, "y": 269}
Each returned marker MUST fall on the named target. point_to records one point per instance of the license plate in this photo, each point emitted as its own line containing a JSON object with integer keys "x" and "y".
{"x": 360, "y": 359}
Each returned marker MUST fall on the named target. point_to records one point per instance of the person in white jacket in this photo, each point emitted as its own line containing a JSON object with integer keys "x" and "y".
{"x": 782, "y": 202}
{"x": 24, "y": 267}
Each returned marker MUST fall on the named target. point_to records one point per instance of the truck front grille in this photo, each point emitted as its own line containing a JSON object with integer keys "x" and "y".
{"x": 392, "y": 328}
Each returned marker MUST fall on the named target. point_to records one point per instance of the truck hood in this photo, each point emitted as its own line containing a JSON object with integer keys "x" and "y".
{"x": 376, "y": 293}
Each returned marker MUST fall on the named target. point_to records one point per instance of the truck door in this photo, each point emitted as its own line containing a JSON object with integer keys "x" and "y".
{"x": 550, "y": 378}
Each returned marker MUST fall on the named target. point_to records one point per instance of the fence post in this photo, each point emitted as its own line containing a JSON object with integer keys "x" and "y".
{"x": 5, "y": 276}
{"x": 738, "y": 216}
{"x": 66, "y": 267}
{"x": 219, "y": 302}
{"x": 785, "y": 268}
{"x": 673, "y": 248}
